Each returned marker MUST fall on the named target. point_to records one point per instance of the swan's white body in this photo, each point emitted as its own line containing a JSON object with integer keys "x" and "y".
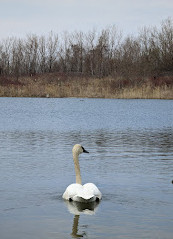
{"x": 82, "y": 193}
{"x": 76, "y": 191}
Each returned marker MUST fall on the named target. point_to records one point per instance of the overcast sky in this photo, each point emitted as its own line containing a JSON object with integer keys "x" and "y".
{"x": 22, "y": 17}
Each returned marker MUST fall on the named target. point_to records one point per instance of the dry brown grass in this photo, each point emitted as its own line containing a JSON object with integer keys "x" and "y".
{"x": 55, "y": 85}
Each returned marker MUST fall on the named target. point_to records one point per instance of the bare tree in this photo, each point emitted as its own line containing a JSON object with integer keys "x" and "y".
{"x": 17, "y": 58}
{"x": 52, "y": 47}
{"x": 31, "y": 54}
{"x": 42, "y": 55}
{"x": 96, "y": 54}
{"x": 165, "y": 43}
{"x": 5, "y": 56}
{"x": 90, "y": 52}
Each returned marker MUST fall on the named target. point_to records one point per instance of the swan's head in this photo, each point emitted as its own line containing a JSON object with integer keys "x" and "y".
{"x": 78, "y": 149}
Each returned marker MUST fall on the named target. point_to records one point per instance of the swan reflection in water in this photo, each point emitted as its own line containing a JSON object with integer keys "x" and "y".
{"x": 78, "y": 208}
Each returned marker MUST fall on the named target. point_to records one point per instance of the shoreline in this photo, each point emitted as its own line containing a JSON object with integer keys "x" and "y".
{"x": 55, "y": 85}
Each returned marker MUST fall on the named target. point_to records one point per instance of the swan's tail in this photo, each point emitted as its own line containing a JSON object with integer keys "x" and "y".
{"x": 84, "y": 198}
{"x": 89, "y": 193}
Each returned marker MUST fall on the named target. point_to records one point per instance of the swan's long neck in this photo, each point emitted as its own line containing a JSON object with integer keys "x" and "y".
{"x": 77, "y": 168}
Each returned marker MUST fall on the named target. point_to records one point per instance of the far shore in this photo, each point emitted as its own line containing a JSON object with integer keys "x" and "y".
{"x": 56, "y": 85}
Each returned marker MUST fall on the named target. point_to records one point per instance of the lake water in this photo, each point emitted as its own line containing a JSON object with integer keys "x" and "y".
{"x": 130, "y": 160}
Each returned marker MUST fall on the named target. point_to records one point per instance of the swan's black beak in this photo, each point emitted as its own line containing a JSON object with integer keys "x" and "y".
{"x": 84, "y": 151}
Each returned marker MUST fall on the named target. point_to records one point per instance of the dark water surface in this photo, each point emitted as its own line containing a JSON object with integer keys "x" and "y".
{"x": 131, "y": 161}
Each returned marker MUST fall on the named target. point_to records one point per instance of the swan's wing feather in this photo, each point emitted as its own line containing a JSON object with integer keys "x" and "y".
{"x": 71, "y": 191}
{"x": 92, "y": 190}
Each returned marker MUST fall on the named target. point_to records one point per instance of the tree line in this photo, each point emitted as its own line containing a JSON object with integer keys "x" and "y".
{"x": 95, "y": 53}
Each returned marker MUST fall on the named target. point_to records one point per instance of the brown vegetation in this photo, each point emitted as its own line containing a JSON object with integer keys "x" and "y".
{"x": 60, "y": 85}
{"x": 94, "y": 64}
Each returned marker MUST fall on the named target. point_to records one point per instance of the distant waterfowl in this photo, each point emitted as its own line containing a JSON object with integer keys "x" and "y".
{"x": 76, "y": 191}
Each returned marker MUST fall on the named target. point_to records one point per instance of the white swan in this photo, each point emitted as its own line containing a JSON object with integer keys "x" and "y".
{"x": 76, "y": 191}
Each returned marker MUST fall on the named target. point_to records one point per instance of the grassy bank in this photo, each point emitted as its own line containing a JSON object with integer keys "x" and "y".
{"x": 60, "y": 85}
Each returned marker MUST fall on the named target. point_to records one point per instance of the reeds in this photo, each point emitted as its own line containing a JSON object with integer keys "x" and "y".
{"x": 51, "y": 85}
